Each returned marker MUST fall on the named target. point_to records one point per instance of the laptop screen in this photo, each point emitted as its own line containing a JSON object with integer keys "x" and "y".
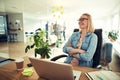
{"x": 50, "y": 70}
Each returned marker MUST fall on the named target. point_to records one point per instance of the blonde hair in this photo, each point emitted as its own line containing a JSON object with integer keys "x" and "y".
{"x": 90, "y": 27}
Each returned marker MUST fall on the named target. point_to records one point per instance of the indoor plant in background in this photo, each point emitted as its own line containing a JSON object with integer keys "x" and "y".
{"x": 113, "y": 35}
{"x": 40, "y": 45}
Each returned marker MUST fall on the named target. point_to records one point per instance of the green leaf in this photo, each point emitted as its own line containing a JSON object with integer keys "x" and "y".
{"x": 48, "y": 56}
{"x": 35, "y": 54}
{"x": 27, "y": 48}
{"x": 32, "y": 46}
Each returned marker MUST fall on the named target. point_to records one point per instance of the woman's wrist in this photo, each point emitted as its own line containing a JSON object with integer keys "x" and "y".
{"x": 81, "y": 51}
{"x": 73, "y": 51}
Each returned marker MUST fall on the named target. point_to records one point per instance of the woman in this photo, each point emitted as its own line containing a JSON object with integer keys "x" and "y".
{"x": 81, "y": 45}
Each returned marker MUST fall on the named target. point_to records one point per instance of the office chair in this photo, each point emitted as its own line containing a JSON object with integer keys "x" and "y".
{"x": 106, "y": 55}
{"x": 96, "y": 57}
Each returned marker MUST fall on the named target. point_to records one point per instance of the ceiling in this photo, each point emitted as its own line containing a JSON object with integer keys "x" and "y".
{"x": 72, "y": 8}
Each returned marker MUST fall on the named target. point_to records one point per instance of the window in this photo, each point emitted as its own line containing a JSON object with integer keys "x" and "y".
{"x": 115, "y": 22}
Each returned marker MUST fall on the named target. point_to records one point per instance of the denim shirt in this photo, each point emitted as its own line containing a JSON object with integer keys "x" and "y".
{"x": 89, "y": 44}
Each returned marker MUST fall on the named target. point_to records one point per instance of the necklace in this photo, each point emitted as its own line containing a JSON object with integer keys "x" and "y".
{"x": 80, "y": 40}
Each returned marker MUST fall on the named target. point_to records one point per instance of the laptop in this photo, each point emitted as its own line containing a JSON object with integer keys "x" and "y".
{"x": 49, "y": 70}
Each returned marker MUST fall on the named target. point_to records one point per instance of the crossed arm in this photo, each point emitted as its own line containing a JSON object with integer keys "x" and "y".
{"x": 74, "y": 51}
{"x": 85, "y": 55}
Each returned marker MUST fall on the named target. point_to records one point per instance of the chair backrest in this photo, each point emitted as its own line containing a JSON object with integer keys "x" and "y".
{"x": 96, "y": 57}
{"x": 75, "y": 30}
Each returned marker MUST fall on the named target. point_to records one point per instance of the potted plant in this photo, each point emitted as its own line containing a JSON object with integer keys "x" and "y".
{"x": 58, "y": 42}
{"x": 113, "y": 35}
{"x": 40, "y": 45}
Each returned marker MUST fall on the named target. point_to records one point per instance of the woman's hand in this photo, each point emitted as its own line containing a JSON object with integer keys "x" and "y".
{"x": 75, "y": 51}
{"x": 81, "y": 51}
{"x": 74, "y": 62}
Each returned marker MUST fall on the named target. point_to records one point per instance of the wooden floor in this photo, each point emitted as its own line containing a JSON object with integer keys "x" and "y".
{"x": 14, "y": 50}
{"x": 17, "y": 49}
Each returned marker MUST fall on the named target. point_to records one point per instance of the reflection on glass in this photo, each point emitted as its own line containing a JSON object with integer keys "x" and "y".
{"x": 3, "y": 37}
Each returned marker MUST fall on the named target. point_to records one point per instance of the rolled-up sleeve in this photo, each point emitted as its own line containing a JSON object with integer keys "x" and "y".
{"x": 88, "y": 55}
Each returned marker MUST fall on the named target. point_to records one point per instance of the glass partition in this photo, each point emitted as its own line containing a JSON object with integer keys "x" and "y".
{"x": 4, "y": 50}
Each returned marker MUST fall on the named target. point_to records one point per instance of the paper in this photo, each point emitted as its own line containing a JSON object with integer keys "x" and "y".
{"x": 102, "y": 75}
{"x": 76, "y": 74}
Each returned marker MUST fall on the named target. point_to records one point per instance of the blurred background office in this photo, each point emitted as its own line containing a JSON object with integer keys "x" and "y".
{"x": 20, "y": 18}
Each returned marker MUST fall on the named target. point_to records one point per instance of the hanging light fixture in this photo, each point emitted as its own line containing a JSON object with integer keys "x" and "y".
{"x": 57, "y": 9}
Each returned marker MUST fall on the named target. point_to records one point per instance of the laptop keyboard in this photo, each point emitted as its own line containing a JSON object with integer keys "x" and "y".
{"x": 76, "y": 74}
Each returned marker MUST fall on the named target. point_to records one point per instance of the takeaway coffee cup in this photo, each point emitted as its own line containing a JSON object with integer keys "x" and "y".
{"x": 19, "y": 63}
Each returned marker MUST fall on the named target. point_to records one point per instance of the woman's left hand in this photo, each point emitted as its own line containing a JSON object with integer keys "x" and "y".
{"x": 74, "y": 62}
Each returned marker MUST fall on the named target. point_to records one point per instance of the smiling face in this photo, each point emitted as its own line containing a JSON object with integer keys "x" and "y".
{"x": 83, "y": 22}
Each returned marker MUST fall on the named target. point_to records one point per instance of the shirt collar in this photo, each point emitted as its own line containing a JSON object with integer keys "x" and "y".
{"x": 89, "y": 33}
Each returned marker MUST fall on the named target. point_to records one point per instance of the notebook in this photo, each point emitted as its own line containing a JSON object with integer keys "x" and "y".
{"x": 49, "y": 70}
{"x": 102, "y": 75}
